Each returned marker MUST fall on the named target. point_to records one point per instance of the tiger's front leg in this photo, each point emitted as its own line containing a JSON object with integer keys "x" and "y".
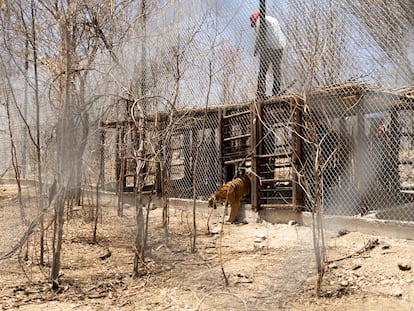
{"x": 233, "y": 211}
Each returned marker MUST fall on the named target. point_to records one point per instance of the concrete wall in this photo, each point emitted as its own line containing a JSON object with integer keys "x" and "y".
{"x": 367, "y": 225}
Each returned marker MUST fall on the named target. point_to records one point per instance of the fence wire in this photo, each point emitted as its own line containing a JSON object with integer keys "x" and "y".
{"x": 192, "y": 160}
{"x": 347, "y": 64}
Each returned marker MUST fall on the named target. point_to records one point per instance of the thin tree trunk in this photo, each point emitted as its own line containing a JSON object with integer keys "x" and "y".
{"x": 121, "y": 180}
{"x": 317, "y": 211}
{"x": 38, "y": 148}
{"x": 57, "y": 241}
{"x": 26, "y": 101}
{"x": 139, "y": 241}
{"x": 165, "y": 207}
{"x": 146, "y": 226}
{"x": 65, "y": 154}
{"x": 15, "y": 164}
{"x": 195, "y": 165}
{"x": 99, "y": 184}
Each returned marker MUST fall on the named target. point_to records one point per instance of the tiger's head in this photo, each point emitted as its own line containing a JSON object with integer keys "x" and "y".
{"x": 212, "y": 202}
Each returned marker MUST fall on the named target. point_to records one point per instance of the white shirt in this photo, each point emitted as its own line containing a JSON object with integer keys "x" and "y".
{"x": 274, "y": 37}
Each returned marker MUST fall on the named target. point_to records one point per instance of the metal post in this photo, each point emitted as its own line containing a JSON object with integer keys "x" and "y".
{"x": 221, "y": 113}
{"x": 260, "y": 45}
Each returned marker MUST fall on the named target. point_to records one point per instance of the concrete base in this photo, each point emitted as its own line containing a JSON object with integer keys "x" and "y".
{"x": 379, "y": 227}
{"x": 368, "y": 224}
{"x": 372, "y": 226}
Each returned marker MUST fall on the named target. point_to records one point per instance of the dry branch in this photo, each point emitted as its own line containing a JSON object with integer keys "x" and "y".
{"x": 23, "y": 240}
{"x": 370, "y": 244}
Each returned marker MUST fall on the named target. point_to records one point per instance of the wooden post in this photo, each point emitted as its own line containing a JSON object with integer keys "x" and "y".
{"x": 158, "y": 175}
{"x": 187, "y": 147}
{"x": 121, "y": 180}
{"x": 221, "y": 112}
{"x": 260, "y": 45}
{"x": 117, "y": 159}
{"x": 194, "y": 175}
{"x": 361, "y": 156}
{"x": 297, "y": 155}
{"x": 393, "y": 136}
{"x": 256, "y": 133}
{"x": 102, "y": 159}
{"x": 255, "y": 111}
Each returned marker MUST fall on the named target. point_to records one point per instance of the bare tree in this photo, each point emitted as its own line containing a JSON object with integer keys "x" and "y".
{"x": 99, "y": 185}
{"x": 27, "y": 19}
{"x": 15, "y": 163}
{"x": 174, "y": 69}
{"x": 390, "y": 25}
{"x": 83, "y": 30}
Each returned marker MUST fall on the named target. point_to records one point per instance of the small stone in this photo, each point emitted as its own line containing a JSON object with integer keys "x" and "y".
{"x": 344, "y": 283}
{"x": 211, "y": 245}
{"x": 386, "y": 246}
{"x": 342, "y": 232}
{"x": 241, "y": 278}
{"x": 397, "y": 293}
{"x": 292, "y": 222}
{"x": 404, "y": 266}
{"x": 261, "y": 236}
{"x": 356, "y": 267}
{"x": 258, "y": 245}
{"x": 333, "y": 266}
{"x": 215, "y": 230}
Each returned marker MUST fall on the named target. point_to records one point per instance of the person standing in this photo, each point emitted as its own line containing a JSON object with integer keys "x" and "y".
{"x": 269, "y": 48}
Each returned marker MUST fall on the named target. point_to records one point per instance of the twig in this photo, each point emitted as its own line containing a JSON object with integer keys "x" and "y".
{"x": 23, "y": 239}
{"x": 4, "y": 173}
{"x": 208, "y": 220}
{"x": 226, "y": 280}
{"x": 368, "y": 246}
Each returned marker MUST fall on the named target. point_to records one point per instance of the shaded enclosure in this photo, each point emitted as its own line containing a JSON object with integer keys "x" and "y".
{"x": 362, "y": 150}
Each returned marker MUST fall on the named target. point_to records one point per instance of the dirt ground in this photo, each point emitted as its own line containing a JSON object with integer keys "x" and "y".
{"x": 269, "y": 267}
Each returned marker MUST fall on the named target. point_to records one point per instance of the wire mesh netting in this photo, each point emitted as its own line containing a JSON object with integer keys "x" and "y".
{"x": 333, "y": 78}
{"x": 363, "y": 157}
{"x": 195, "y": 145}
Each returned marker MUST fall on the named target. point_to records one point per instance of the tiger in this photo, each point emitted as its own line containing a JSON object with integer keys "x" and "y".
{"x": 236, "y": 189}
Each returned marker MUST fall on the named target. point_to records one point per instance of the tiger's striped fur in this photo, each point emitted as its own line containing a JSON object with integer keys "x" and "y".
{"x": 233, "y": 190}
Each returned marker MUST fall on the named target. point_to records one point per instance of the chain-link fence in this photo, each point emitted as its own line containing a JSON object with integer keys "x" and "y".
{"x": 362, "y": 155}
{"x": 192, "y": 157}
{"x": 362, "y": 151}
{"x": 345, "y": 77}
